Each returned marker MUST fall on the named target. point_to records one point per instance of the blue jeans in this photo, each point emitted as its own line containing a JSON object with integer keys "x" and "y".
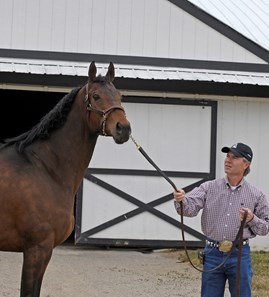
{"x": 213, "y": 283}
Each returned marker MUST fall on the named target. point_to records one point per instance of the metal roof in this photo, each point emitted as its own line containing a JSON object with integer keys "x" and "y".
{"x": 248, "y": 17}
{"x": 45, "y": 67}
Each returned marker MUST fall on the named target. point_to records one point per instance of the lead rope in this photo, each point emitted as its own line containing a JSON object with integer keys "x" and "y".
{"x": 239, "y": 236}
{"x": 239, "y": 256}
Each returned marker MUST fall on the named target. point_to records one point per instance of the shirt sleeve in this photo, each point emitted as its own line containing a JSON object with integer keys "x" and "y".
{"x": 260, "y": 223}
{"x": 193, "y": 201}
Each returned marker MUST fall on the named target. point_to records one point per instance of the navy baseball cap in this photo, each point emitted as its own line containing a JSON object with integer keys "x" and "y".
{"x": 239, "y": 150}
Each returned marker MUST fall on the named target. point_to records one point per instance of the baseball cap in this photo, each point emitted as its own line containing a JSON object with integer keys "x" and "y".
{"x": 240, "y": 150}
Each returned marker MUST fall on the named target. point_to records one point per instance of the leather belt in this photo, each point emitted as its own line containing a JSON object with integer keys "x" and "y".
{"x": 223, "y": 246}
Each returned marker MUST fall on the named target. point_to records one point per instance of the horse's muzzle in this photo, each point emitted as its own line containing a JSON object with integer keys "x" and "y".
{"x": 122, "y": 133}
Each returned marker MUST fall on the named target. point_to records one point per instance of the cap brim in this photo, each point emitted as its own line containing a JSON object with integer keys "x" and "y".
{"x": 228, "y": 149}
{"x": 225, "y": 149}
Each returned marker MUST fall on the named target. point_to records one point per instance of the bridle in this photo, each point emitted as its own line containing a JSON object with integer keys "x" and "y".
{"x": 103, "y": 113}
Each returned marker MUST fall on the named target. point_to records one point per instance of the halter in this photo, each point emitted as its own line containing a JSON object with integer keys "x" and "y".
{"x": 104, "y": 113}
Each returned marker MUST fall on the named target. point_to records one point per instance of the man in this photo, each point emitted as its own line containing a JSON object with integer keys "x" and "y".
{"x": 224, "y": 202}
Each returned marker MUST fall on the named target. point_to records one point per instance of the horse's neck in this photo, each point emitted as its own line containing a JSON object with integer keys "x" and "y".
{"x": 69, "y": 150}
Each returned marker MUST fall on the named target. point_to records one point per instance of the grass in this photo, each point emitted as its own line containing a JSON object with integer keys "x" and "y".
{"x": 260, "y": 283}
{"x": 260, "y": 262}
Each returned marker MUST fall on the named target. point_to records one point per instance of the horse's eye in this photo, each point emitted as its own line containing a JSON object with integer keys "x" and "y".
{"x": 95, "y": 97}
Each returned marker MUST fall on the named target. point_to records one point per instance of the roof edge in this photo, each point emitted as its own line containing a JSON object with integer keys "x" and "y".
{"x": 134, "y": 60}
{"x": 176, "y": 86}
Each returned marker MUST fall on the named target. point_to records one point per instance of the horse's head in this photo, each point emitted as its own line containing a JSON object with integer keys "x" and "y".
{"x": 104, "y": 104}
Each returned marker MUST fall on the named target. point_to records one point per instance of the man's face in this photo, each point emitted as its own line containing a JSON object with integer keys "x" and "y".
{"x": 235, "y": 166}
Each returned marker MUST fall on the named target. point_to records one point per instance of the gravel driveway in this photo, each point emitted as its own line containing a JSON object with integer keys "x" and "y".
{"x": 83, "y": 272}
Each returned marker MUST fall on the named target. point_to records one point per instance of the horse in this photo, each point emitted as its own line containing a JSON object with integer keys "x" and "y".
{"x": 42, "y": 169}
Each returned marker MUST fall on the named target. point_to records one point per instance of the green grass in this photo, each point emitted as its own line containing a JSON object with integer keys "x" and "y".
{"x": 260, "y": 283}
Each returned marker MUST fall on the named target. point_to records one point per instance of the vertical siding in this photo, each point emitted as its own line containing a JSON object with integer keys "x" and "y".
{"x": 248, "y": 122}
{"x": 18, "y": 24}
{"x": 72, "y": 25}
{"x": 111, "y": 27}
{"x": 163, "y": 28}
{"x": 31, "y": 24}
{"x": 137, "y": 28}
{"x": 201, "y": 41}
{"x": 6, "y": 17}
{"x": 154, "y": 28}
{"x": 58, "y": 24}
{"x": 149, "y": 31}
{"x": 85, "y": 25}
{"x": 124, "y": 26}
{"x": 46, "y": 25}
{"x": 189, "y": 31}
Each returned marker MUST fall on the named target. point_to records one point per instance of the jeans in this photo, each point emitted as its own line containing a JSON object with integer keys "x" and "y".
{"x": 213, "y": 283}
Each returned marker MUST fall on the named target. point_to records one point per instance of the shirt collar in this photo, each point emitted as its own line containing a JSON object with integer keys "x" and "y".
{"x": 238, "y": 186}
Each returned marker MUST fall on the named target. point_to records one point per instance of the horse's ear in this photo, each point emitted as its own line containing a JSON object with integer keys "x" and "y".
{"x": 110, "y": 72}
{"x": 92, "y": 71}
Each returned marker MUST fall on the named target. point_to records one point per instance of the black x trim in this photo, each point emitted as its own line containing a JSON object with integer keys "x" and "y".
{"x": 142, "y": 207}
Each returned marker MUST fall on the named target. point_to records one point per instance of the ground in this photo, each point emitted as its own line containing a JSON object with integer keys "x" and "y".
{"x": 83, "y": 272}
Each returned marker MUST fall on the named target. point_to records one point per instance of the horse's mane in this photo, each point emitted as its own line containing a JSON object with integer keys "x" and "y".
{"x": 100, "y": 79}
{"x": 52, "y": 121}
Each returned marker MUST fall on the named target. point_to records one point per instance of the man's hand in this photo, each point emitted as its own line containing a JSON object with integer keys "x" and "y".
{"x": 179, "y": 195}
{"x": 250, "y": 214}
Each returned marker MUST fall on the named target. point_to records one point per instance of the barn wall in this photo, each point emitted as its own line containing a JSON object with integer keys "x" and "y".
{"x": 123, "y": 199}
{"x": 247, "y": 121}
{"x": 238, "y": 120}
{"x": 150, "y": 28}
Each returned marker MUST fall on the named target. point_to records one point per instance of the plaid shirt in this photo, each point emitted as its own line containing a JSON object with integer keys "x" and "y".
{"x": 221, "y": 205}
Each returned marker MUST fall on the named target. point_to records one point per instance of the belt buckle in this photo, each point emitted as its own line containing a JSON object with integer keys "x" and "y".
{"x": 225, "y": 246}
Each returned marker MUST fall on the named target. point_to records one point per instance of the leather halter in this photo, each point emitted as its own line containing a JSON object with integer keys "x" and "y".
{"x": 103, "y": 113}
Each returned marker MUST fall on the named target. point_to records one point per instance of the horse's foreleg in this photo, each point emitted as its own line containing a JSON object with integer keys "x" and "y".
{"x": 35, "y": 261}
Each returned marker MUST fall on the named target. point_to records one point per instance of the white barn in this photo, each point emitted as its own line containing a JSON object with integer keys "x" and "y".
{"x": 194, "y": 77}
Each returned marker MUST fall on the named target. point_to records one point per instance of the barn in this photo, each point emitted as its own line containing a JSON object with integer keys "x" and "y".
{"x": 194, "y": 77}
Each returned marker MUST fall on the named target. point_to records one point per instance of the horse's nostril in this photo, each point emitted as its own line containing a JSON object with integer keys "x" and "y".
{"x": 122, "y": 132}
{"x": 123, "y": 128}
{"x": 119, "y": 128}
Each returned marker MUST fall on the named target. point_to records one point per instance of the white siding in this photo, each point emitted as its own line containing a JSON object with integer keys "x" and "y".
{"x": 163, "y": 133}
{"x": 239, "y": 120}
{"x": 248, "y": 122}
{"x": 153, "y": 28}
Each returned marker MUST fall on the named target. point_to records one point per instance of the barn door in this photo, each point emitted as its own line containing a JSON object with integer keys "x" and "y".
{"x": 123, "y": 201}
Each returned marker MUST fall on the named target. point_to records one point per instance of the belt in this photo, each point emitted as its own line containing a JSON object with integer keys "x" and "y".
{"x": 225, "y": 245}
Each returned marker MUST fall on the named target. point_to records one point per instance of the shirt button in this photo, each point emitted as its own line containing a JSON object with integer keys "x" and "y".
{"x": 228, "y": 214}
{"x": 230, "y": 203}
{"x": 225, "y": 225}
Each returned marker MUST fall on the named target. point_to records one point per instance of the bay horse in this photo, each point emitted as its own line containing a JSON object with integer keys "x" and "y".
{"x": 42, "y": 169}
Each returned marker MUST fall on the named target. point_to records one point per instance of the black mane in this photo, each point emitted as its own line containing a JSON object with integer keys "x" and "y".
{"x": 52, "y": 121}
